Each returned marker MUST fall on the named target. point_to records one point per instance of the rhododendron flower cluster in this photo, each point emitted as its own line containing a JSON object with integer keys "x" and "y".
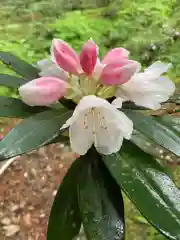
{"x": 90, "y": 82}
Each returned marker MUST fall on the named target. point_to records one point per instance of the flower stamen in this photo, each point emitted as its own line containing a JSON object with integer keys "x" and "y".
{"x": 86, "y": 121}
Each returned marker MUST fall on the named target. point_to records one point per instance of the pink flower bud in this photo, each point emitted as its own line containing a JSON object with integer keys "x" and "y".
{"x": 119, "y": 72}
{"x": 65, "y": 56}
{"x": 43, "y": 91}
{"x": 114, "y": 55}
{"x": 88, "y": 57}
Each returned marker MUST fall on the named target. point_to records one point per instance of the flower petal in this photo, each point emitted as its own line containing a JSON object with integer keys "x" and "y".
{"x": 124, "y": 124}
{"x": 81, "y": 138}
{"x": 158, "y": 68}
{"x": 65, "y": 56}
{"x": 50, "y": 69}
{"x": 88, "y": 56}
{"x": 98, "y": 69}
{"x": 117, "y": 102}
{"x": 86, "y": 103}
{"x": 108, "y": 141}
{"x": 147, "y": 89}
{"x": 119, "y": 72}
{"x": 114, "y": 55}
{"x": 111, "y": 130}
{"x": 96, "y": 121}
{"x": 43, "y": 91}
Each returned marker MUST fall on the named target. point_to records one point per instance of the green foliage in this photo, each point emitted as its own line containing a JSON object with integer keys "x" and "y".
{"x": 164, "y": 131}
{"x": 148, "y": 30}
{"x": 77, "y": 27}
{"x": 15, "y": 108}
{"x": 64, "y": 222}
{"x": 95, "y": 200}
{"x": 33, "y": 132}
{"x": 102, "y": 211}
{"x": 147, "y": 185}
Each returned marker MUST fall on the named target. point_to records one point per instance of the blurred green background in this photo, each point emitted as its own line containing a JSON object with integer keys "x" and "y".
{"x": 149, "y": 29}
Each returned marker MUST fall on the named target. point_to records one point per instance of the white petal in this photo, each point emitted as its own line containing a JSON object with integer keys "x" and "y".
{"x": 117, "y": 102}
{"x": 167, "y": 84}
{"x": 109, "y": 140}
{"x": 147, "y": 89}
{"x": 85, "y": 103}
{"x": 81, "y": 138}
{"x": 158, "y": 68}
{"x": 44, "y": 63}
{"x": 124, "y": 124}
{"x": 111, "y": 130}
{"x": 147, "y": 102}
{"x": 50, "y": 69}
{"x": 98, "y": 69}
{"x": 104, "y": 126}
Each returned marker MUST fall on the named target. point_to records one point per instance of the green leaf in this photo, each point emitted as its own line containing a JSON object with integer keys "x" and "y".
{"x": 19, "y": 66}
{"x": 11, "y": 81}
{"x": 171, "y": 122}
{"x": 64, "y": 222}
{"x": 149, "y": 188}
{"x": 156, "y": 129}
{"x": 132, "y": 106}
{"x": 13, "y": 107}
{"x": 33, "y": 132}
{"x": 60, "y": 138}
{"x": 69, "y": 104}
{"x": 153, "y": 149}
{"x": 100, "y": 200}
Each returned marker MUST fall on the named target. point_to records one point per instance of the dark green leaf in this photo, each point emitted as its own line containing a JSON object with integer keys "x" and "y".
{"x": 153, "y": 149}
{"x": 100, "y": 200}
{"x": 171, "y": 122}
{"x": 69, "y": 104}
{"x": 33, "y": 132}
{"x": 11, "y": 81}
{"x": 65, "y": 221}
{"x": 19, "y": 66}
{"x": 131, "y": 105}
{"x": 60, "y": 138}
{"x": 156, "y": 129}
{"x": 12, "y": 107}
{"x": 146, "y": 184}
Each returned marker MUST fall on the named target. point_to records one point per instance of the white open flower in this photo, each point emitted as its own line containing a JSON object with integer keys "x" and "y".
{"x": 96, "y": 121}
{"x": 148, "y": 89}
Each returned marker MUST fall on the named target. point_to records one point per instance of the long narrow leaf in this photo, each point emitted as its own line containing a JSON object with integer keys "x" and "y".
{"x": 33, "y": 132}
{"x": 157, "y": 129}
{"x": 11, "y": 81}
{"x": 64, "y": 222}
{"x": 12, "y": 107}
{"x": 19, "y": 66}
{"x": 100, "y": 200}
{"x": 148, "y": 186}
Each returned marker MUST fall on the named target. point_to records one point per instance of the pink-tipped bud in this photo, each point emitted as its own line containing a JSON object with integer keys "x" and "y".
{"x": 65, "y": 56}
{"x": 119, "y": 72}
{"x": 115, "y": 54}
{"x": 43, "y": 91}
{"x": 88, "y": 57}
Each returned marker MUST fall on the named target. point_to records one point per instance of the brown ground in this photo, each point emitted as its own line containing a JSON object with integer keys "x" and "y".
{"x": 27, "y": 189}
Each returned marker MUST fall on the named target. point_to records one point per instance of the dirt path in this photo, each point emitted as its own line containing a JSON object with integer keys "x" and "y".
{"x": 27, "y": 189}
